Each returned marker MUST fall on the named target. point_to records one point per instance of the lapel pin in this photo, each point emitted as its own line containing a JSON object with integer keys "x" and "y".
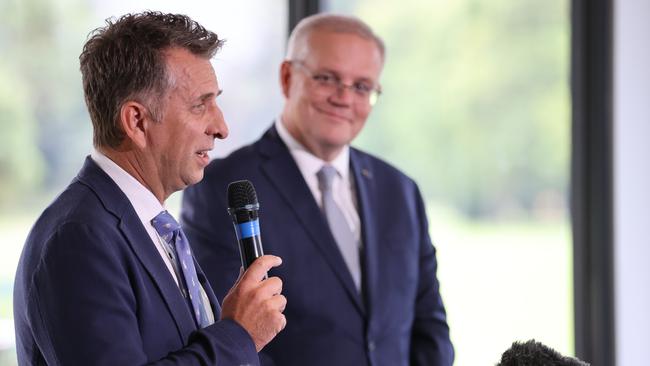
{"x": 366, "y": 173}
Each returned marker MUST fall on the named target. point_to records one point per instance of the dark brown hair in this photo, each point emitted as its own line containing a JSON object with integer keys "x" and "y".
{"x": 125, "y": 61}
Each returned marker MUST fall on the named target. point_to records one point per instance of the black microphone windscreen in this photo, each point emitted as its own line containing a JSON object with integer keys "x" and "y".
{"x": 240, "y": 194}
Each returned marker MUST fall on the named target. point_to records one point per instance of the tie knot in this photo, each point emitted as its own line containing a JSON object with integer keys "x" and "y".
{"x": 326, "y": 177}
{"x": 164, "y": 223}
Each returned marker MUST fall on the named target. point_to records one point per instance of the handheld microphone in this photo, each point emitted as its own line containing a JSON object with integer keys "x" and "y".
{"x": 244, "y": 211}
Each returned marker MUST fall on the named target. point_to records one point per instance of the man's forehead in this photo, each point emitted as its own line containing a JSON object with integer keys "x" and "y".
{"x": 183, "y": 61}
{"x": 318, "y": 39}
{"x": 360, "y": 60}
{"x": 191, "y": 72}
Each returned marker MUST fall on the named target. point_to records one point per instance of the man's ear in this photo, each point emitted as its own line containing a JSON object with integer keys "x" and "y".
{"x": 134, "y": 118}
{"x": 285, "y": 77}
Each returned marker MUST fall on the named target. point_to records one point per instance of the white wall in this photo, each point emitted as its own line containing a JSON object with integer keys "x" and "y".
{"x": 632, "y": 180}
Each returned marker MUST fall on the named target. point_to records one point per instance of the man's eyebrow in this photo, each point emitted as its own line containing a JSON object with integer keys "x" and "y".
{"x": 337, "y": 74}
{"x": 210, "y": 95}
{"x": 327, "y": 71}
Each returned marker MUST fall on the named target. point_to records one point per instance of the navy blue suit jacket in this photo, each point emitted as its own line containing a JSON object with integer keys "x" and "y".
{"x": 399, "y": 319}
{"x": 92, "y": 289}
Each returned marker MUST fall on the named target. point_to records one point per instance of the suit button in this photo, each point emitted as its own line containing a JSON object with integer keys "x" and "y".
{"x": 371, "y": 346}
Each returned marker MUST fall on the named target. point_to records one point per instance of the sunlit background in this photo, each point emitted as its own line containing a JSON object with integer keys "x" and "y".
{"x": 475, "y": 107}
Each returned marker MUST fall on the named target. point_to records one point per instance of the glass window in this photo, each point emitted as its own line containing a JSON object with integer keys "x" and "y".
{"x": 476, "y": 108}
{"x": 46, "y": 131}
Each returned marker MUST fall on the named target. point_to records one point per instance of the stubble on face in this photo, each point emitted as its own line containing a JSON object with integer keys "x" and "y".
{"x": 184, "y": 136}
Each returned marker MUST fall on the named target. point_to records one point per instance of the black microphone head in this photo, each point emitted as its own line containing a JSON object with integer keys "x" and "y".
{"x": 241, "y": 194}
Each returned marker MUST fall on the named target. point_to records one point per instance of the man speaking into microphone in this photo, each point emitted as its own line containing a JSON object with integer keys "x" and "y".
{"x": 107, "y": 275}
{"x": 359, "y": 269}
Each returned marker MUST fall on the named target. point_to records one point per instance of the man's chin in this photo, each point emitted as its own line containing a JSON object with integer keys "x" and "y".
{"x": 338, "y": 139}
{"x": 195, "y": 178}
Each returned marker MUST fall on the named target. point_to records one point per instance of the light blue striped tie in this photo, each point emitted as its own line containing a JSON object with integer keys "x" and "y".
{"x": 171, "y": 232}
{"x": 345, "y": 239}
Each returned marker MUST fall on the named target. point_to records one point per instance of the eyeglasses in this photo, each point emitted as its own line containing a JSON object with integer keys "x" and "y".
{"x": 328, "y": 82}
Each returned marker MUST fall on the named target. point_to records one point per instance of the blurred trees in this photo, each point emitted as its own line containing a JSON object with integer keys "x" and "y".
{"x": 42, "y": 114}
{"x": 475, "y": 105}
{"x": 476, "y": 101}
{"x": 17, "y": 149}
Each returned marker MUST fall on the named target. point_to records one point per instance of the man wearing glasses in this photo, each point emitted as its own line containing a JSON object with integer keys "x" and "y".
{"x": 359, "y": 268}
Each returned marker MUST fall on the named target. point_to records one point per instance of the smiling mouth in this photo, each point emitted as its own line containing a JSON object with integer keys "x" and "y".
{"x": 333, "y": 115}
{"x": 203, "y": 153}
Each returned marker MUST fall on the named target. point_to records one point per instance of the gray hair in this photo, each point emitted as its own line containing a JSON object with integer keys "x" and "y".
{"x": 329, "y": 23}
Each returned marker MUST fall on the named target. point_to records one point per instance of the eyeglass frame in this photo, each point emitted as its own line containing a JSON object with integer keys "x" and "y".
{"x": 370, "y": 96}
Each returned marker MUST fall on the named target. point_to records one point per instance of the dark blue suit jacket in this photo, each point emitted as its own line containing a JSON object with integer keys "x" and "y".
{"x": 399, "y": 320}
{"x": 92, "y": 289}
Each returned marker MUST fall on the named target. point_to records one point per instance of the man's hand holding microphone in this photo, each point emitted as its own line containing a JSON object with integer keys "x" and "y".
{"x": 255, "y": 301}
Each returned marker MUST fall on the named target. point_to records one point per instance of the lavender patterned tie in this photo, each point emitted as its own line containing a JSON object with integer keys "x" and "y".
{"x": 172, "y": 234}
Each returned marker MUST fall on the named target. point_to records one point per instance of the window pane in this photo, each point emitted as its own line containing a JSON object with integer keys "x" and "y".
{"x": 46, "y": 131}
{"x": 475, "y": 106}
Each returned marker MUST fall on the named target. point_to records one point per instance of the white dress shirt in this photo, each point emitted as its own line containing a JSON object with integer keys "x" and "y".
{"x": 146, "y": 206}
{"x": 343, "y": 188}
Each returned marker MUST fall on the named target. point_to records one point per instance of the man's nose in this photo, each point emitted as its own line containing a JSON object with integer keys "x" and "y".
{"x": 217, "y": 126}
{"x": 343, "y": 95}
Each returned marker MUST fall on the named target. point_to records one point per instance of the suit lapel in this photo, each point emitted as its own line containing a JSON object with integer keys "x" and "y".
{"x": 283, "y": 173}
{"x": 144, "y": 249}
{"x": 365, "y": 188}
{"x": 140, "y": 242}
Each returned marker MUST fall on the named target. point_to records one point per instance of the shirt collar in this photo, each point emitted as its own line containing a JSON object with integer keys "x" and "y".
{"x": 309, "y": 163}
{"x": 144, "y": 202}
